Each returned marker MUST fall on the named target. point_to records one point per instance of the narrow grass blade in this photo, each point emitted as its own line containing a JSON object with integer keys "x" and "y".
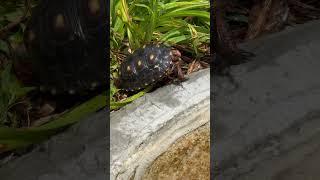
{"x": 11, "y": 137}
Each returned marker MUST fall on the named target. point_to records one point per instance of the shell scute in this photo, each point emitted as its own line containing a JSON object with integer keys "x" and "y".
{"x": 154, "y": 63}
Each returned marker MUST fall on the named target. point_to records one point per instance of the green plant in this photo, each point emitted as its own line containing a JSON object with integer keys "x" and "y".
{"x": 11, "y": 93}
{"x": 140, "y": 21}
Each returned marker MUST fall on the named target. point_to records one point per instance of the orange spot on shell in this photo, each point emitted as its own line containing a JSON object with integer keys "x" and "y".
{"x": 94, "y": 6}
{"x": 59, "y": 22}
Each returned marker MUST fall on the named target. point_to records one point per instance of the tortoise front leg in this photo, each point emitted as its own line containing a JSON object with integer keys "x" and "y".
{"x": 175, "y": 74}
{"x": 179, "y": 71}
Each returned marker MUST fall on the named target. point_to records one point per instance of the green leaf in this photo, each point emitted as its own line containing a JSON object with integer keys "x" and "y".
{"x": 117, "y": 105}
{"x": 169, "y": 34}
{"x": 194, "y": 13}
{"x": 4, "y": 47}
{"x": 16, "y": 37}
{"x": 178, "y": 39}
{"x": 12, "y": 138}
{"x": 14, "y": 16}
{"x": 145, "y": 6}
{"x": 173, "y": 5}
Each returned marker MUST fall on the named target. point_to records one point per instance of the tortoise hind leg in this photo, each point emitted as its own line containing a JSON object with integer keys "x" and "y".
{"x": 179, "y": 72}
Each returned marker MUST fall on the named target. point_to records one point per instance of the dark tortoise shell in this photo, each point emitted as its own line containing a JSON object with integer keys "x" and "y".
{"x": 147, "y": 66}
{"x": 67, "y": 40}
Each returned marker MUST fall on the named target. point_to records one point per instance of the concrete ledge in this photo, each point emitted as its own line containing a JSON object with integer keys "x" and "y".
{"x": 143, "y": 130}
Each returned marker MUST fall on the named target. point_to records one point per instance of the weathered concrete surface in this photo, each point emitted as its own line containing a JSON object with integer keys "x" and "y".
{"x": 77, "y": 154}
{"x": 145, "y": 129}
{"x": 269, "y": 127}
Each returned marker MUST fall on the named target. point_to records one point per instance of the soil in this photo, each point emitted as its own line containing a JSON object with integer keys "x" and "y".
{"x": 188, "y": 158}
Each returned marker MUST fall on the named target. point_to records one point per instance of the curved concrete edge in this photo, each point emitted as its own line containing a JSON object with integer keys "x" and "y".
{"x": 160, "y": 141}
{"x": 143, "y": 130}
{"x": 275, "y": 110}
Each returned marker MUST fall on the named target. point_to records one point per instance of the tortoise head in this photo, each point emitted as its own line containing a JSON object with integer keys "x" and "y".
{"x": 175, "y": 55}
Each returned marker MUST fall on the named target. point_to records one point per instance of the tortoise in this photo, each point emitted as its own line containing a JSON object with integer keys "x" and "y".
{"x": 149, "y": 65}
{"x": 67, "y": 40}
